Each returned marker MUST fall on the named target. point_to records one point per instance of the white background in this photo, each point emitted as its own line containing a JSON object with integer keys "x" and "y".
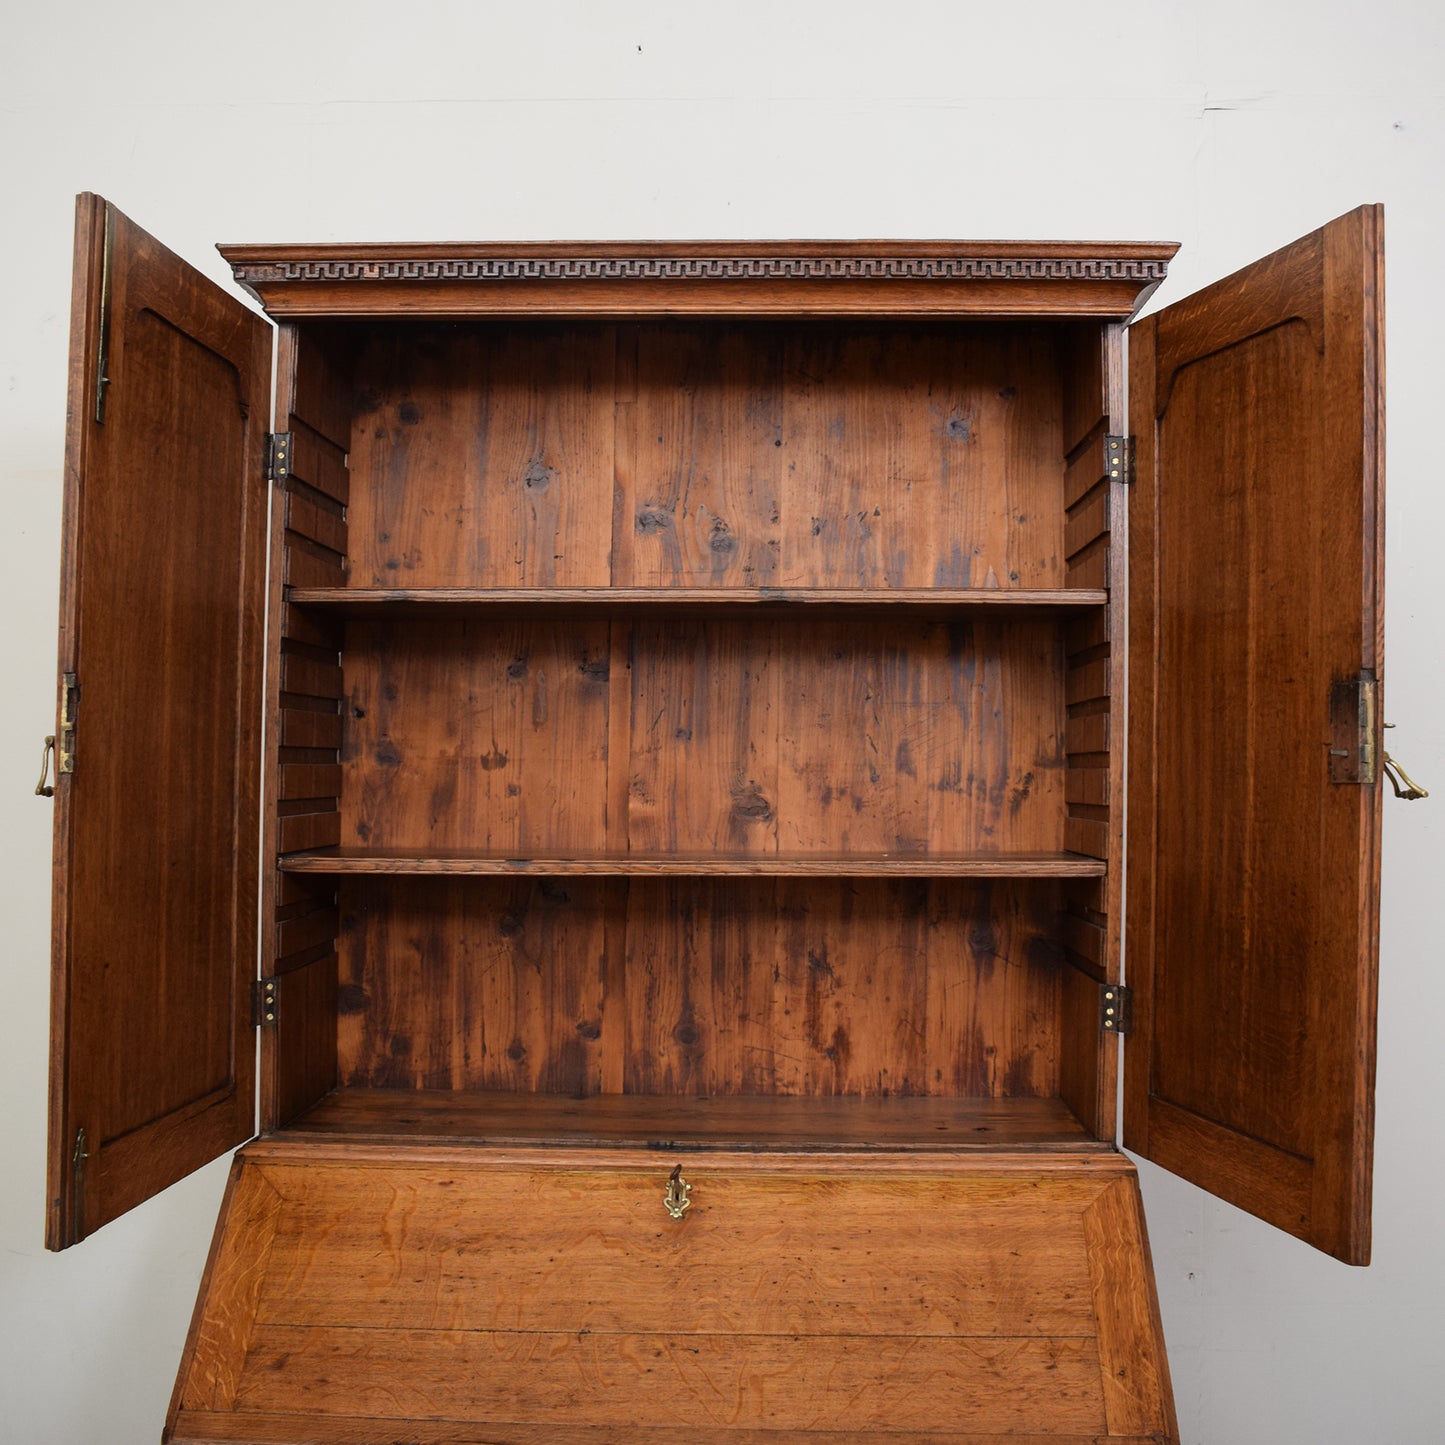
{"x": 1229, "y": 125}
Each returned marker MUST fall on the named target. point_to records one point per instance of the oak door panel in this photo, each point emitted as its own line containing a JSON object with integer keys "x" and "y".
{"x": 157, "y": 828}
{"x": 1253, "y": 904}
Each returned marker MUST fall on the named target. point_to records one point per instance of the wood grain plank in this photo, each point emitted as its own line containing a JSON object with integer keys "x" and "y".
{"x": 154, "y": 935}
{"x": 597, "y": 1254}
{"x": 475, "y": 862}
{"x": 814, "y": 988}
{"x": 748, "y": 1122}
{"x": 308, "y": 564}
{"x": 217, "y": 1350}
{"x": 1088, "y": 520}
{"x": 305, "y": 1035}
{"x": 426, "y": 1289}
{"x": 320, "y": 829}
{"x": 1086, "y": 470}
{"x": 474, "y": 983}
{"x": 1135, "y": 1373}
{"x": 477, "y": 736}
{"x": 405, "y": 602}
{"x": 314, "y": 460}
{"x": 1259, "y": 582}
{"x": 893, "y": 739}
{"x": 254, "y": 1428}
{"x": 483, "y": 456}
{"x": 304, "y": 727}
{"x": 687, "y": 1381}
{"x": 308, "y": 520}
{"x": 1084, "y": 351}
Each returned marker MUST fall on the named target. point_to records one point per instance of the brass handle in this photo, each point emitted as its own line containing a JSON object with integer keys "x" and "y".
{"x": 675, "y": 1197}
{"x": 42, "y": 790}
{"x": 1412, "y": 791}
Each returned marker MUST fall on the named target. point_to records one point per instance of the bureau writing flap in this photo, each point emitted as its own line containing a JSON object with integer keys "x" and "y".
{"x": 157, "y": 822}
{"x": 1255, "y": 669}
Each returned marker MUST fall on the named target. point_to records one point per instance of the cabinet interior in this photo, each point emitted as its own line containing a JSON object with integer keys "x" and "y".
{"x": 694, "y": 731}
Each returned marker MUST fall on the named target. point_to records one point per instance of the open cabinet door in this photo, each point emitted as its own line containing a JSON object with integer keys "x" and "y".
{"x": 1255, "y": 674}
{"x": 157, "y": 797}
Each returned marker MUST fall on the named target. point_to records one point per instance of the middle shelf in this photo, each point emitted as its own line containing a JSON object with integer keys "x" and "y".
{"x": 416, "y": 602}
{"x": 977, "y": 864}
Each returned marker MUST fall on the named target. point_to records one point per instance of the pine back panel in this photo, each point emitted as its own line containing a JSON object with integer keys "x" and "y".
{"x": 862, "y": 987}
{"x": 733, "y": 455}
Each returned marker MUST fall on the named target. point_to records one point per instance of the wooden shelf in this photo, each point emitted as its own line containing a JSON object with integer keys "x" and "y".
{"x": 778, "y": 865}
{"x": 753, "y": 1122}
{"x": 411, "y": 602}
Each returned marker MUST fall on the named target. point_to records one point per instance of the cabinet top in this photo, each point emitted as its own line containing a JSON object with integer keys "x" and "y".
{"x": 758, "y": 278}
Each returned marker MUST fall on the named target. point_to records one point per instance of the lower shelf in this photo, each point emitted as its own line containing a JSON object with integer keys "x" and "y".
{"x": 748, "y": 1122}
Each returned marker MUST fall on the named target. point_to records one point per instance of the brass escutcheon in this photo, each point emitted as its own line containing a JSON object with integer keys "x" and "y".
{"x": 675, "y": 1197}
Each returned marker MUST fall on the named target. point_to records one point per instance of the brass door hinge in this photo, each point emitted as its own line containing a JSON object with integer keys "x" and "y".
{"x": 1354, "y": 730}
{"x": 1116, "y": 1008}
{"x": 265, "y": 1002}
{"x": 278, "y": 456}
{"x": 1119, "y": 459}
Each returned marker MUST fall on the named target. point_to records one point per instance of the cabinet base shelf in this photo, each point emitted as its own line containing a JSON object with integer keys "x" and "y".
{"x": 750, "y": 1123}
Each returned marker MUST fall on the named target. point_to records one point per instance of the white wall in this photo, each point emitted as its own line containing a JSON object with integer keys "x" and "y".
{"x": 1229, "y": 125}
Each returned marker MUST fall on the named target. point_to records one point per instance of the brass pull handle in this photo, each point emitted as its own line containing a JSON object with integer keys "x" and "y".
{"x": 675, "y": 1197}
{"x": 42, "y": 789}
{"x": 1412, "y": 791}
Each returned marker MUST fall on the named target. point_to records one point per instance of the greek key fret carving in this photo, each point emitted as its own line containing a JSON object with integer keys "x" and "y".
{"x": 712, "y": 268}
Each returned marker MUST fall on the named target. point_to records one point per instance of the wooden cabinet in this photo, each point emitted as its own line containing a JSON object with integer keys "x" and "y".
{"x": 686, "y": 764}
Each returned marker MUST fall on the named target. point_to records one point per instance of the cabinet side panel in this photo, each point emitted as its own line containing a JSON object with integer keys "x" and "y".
{"x": 310, "y": 548}
{"x": 1095, "y": 546}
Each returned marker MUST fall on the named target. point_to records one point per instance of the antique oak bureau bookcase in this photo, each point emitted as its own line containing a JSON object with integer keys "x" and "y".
{"x": 665, "y": 706}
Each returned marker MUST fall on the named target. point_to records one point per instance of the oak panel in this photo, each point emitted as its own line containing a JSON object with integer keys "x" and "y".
{"x": 154, "y": 932}
{"x": 255, "y": 1428}
{"x": 491, "y": 1290}
{"x": 1254, "y": 873}
{"x": 682, "y": 1380}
